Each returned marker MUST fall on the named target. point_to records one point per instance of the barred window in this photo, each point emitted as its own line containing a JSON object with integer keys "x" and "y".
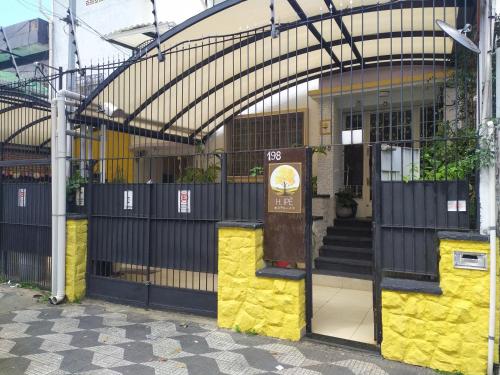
{"x": 247, "y": 137}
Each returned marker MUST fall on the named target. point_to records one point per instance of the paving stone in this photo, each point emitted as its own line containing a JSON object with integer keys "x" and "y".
{"x": 41, "y": 327}
{"x": 135, "y": 369}
{"x": 138, "y": 352}
{"x": 76, "y": 360}
{"x": 27, "y": 345}
{"x": 50, "y": 313}
{"x": 14, "y": 365}
{"x": 194, "y": 344}
{"x": 137, "y": 332}
{"x": 258, "y": 358}
{"x": 199, "y": 365}
{"x": 85, "y": 338}
{"x": 106, "y": 339}
{"x": 91, "y": 322}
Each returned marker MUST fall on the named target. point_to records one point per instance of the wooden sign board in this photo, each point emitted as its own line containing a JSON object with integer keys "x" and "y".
{"x": 287, "y": 188}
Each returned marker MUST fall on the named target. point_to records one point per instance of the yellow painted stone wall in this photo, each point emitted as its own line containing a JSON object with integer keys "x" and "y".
{"x": 261, "y": 305}
{"x": 76, "y": 258}
{"x": 447, "y": 332}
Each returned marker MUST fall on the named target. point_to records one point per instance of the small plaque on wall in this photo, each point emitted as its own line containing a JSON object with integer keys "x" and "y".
{"x": 287, "y": 192}
{"x": 326, "y": 127}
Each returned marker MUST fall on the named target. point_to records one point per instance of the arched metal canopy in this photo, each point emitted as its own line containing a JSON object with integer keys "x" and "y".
{"x": 25, "y": 117}
{"x": 224, "y": 60}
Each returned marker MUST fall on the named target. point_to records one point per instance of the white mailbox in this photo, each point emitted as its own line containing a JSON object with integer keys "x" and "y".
{"x": 470, "y": 261}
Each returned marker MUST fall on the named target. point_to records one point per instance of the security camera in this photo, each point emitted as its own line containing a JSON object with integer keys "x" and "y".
{"x": 110, "y": 110}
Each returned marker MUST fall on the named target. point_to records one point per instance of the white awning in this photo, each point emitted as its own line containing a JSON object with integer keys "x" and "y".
{"x": 224, "y": 60}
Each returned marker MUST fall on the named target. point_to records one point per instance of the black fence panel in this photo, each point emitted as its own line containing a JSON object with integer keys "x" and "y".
{"x": 409, "y": 211}
{"x": 245, "y": 201}
{"x": 25, "y": 232}
{"x": 424, "y": 204}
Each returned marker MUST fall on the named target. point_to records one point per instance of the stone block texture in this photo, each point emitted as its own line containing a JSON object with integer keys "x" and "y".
{"x": 448, "y": 332}
{"x": 76, "y": 259}
{"x": 259, "y": 305}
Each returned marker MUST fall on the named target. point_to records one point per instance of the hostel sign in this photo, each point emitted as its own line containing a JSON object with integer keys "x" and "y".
{"x": 285, "y": 188}
{"x": 286, "y": 179}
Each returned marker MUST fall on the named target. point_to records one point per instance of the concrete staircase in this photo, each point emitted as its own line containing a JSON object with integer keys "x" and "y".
{"x": 347, "y": 249}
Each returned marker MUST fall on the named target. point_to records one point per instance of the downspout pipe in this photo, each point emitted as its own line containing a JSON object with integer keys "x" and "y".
{"x": 495, "y": 10}
{"x": 59, "y": 175}
{"x": 493, "y": 245}
{"x": 54, "y": 194}
{"x": 59, "y": 189}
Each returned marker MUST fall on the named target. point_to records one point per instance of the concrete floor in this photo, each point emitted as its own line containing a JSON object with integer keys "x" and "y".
{"x": 343, "y": 308}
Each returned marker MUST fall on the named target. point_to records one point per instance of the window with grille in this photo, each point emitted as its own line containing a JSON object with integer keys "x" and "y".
{"x": 391, "y": 126}
{"x": 430, "y": 117}
{"x": 248, "y": 137}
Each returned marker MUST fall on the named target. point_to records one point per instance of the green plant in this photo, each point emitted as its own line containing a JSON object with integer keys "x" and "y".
{"x": 28, "y": 285}
{"x": 314, "y": 185}
{"x": 345, "y": 198}
{"x": 75, "y": 182}
{"x": 256, "y": 171}
{"x": 119, "y": 177}
{"x": 319, "y": 149}
{"x": 199, "y": 175}
{"x": 237, "y": 328}
{"x": 43, "y": 297}
{"x": 455, "y": 154}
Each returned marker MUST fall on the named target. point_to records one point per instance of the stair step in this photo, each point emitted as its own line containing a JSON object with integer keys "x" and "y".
{"x": 352, "y": 241}
{"x": 346, "y": 252}
{"x": 351, "y": 275}
{"x": 351, "y": 223}
{"x": 354, "y": 266}
{"x": 349, "y": 231}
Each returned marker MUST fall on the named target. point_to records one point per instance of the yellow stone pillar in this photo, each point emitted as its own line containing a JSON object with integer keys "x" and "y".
{"x": 76, "y": 257}
{"x": 441, "y": 325}
{"x": 253, "y": 298}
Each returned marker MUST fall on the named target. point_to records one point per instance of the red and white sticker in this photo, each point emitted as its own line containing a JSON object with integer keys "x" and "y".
{"x": 184, "y": 201}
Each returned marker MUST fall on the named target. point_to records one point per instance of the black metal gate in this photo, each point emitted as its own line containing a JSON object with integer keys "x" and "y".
{"x": 155, "y": 244}
{"x": 408, "y": 211}
{"x": 25, "y": 222}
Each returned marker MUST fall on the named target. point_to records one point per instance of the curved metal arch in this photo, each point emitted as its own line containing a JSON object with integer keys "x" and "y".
{"x": 231, "y": 3}
{"x": 26, "y": 127}
{"x": 25, "y": 98}
{"x": 311, "y": 74}
{"x": 165, "y": 36}
{"x": 283, "y": 57}
{"x": 11, "y": 108}
{"x": 190, "y": 71}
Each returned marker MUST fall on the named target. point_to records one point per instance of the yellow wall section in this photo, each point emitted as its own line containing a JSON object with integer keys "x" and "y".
{"x": 447, "y": 332}
{"x": 266, "y": 306}
{"x": 119, "y": 166}
{"x": 76, "y": 258}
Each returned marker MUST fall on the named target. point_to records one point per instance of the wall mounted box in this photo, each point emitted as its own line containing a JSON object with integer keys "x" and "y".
{"x": 470, "y": 261}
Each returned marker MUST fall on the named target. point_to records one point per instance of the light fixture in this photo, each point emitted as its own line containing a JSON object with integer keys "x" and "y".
{"x": 459, "y": 36}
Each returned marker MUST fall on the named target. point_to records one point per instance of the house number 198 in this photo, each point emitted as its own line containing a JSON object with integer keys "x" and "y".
{"x": 274, "y": 155}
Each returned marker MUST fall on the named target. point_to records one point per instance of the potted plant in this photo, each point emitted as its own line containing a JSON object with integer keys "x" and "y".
{"x": 346, "y": 206}
{"x": 74, "y": 183}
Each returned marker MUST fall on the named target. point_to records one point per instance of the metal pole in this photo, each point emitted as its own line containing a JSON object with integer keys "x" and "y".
{"x": 102, "y": 152}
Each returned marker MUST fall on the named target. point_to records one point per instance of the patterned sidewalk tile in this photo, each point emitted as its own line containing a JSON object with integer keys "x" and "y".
{"x": 96, "y": 338}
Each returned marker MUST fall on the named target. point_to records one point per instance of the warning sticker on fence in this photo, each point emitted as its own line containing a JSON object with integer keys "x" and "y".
{"x": 128, "y": 200}
{"x": 184, "y": 201}
{"x": 21, "y": 197}
{"x": 459, "y": 206}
